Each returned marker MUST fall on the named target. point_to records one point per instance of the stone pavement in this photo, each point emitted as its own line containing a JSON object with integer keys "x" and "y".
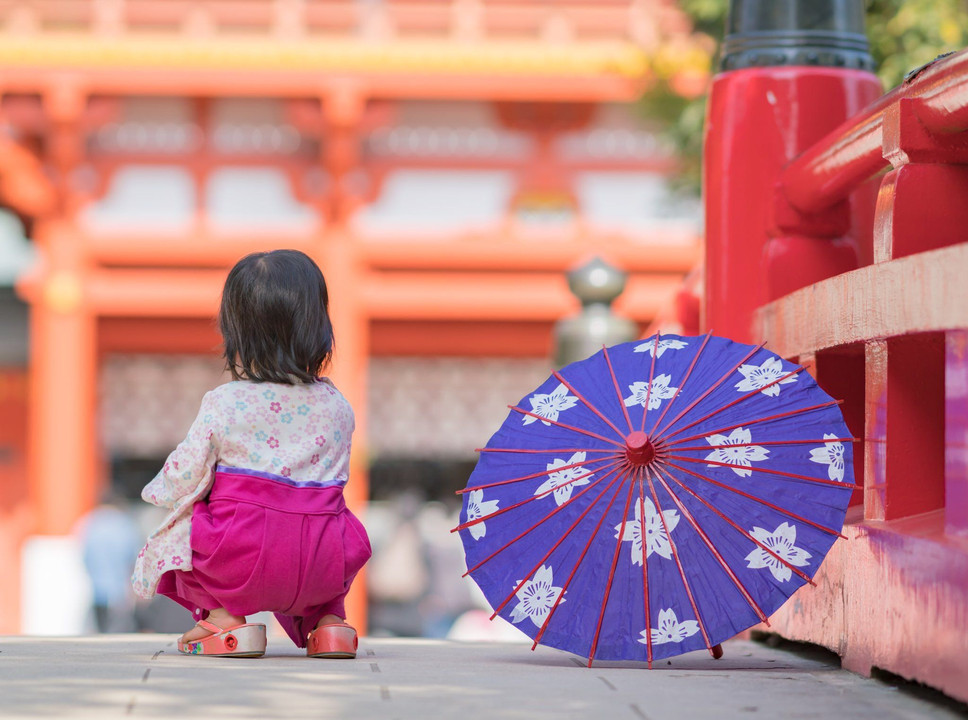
{"x": 143, "y": 676}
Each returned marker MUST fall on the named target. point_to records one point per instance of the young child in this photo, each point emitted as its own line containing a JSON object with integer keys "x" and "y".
{"x": 257, "y": 519}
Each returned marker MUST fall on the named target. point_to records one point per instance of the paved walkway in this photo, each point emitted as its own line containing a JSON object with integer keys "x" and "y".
{"x": 143, "y": 676}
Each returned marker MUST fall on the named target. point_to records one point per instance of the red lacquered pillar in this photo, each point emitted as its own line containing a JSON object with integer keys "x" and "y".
{"x": 791, "y": 71}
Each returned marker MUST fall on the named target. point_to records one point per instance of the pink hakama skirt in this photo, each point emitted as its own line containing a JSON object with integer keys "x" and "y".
{"x": 261, "y": 542}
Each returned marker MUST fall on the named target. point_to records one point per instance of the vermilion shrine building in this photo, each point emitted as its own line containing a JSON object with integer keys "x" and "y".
{"x": 445, "y": 161}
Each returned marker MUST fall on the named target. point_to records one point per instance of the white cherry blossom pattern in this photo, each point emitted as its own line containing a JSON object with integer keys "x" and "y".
{"x": 660, "y": 391}
{"x": 648, "y": 347}
{"x": 565, "y": 478}
{"x": 536, "y": 597}
{"x": 657, "y": 539}
{"x": 831, "y": 455}
{"x": 671, "y": 629}
{"x": 782, "y": 541}
{"x": 550, "y": 405}
{"x": 478, "y": 507}
{"x": 758, "y": 376}
{"x": 743, "y": 454}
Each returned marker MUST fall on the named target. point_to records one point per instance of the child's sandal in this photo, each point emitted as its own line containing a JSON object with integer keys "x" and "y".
{"x": 337, "y": 640}
{"x": 247, "y": 640}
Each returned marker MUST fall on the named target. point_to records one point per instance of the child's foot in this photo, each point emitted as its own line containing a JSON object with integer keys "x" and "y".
{"x": 221, "y": 617}
{"x": 332, "y": 638}
{"x": 248, "y": 640}
{"x": 330, "y": 620}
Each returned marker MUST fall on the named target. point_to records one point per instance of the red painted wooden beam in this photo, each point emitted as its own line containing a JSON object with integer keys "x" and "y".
{"x": 872, "y": 302}
{"x": 853, "y": 152}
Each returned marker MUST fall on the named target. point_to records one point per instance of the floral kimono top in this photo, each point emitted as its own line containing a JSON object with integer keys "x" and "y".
{"x": 301, "y": 432}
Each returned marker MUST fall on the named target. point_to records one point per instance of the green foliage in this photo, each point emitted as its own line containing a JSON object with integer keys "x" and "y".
{"x": 903, "y": 35}
{"x": 708, "y": 16}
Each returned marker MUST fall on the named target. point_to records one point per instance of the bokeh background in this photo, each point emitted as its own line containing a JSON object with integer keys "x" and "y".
{"x": 446, "y": 162}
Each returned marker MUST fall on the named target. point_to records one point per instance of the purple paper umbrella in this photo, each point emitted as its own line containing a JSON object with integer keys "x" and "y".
{"x": 657, "y": 498}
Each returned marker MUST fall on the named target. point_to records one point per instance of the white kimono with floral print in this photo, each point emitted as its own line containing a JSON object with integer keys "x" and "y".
{"x": 299, "y": 432}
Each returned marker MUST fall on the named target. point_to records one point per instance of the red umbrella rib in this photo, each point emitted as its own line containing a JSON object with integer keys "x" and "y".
{"x": 768, "y": 504}
{"x": 587, "y": 404}
{"x": 708, "y": 390}
{"x": 618, "y": 391}
{"x": 794, "y": 568}
{"x": 722, "y": 561}
{"x": 579, "y": 430}
{"x": 531, "y": 451}
{"x": 675, "y": 555}
{"x": 754, "y": 421}
{"x": 564, "y": 535}
{"x": 574, "y": 570}
{"x": 682, "y": 383}
{"x": 648, "y": 391}
{"x": 611, "y": 572}
{"x": 770, "y": 471}
{"x": 734, "y": 402}
{"x": 645, "y": 571}
{"x": 557, "y": 509}
{"x": 766, "y": 442}
{"x": 614, "y": 457}
{"x": 483, "y": 518}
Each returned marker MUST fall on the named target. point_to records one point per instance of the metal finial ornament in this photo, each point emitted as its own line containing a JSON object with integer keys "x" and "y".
{"x": 596, "y": 284}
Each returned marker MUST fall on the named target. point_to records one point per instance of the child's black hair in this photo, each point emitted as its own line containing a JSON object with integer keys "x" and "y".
{"x": 274, "y": 318}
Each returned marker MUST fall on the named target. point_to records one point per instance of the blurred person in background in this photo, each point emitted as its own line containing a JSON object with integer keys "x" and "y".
{"x": 110, "y": 541}
{"x": 399, "y": 574}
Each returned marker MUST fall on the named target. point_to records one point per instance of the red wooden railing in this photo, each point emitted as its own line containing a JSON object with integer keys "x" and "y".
{"x": 936, "y": 98}
{"x": 868, "y": 292}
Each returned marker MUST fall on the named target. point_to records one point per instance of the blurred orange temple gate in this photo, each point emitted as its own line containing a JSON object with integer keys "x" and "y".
{"x": 332, "y": 98}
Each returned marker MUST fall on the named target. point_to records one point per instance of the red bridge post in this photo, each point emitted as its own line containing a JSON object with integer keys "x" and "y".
{"x": 791, "y": 71}
{"x": 787, "y": 212}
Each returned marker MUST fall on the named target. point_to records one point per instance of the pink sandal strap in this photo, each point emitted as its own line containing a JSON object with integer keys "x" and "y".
{"x": 215, "y": 629}
{"x": 245, "y": 640}
{"x": 211, "y": 627}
